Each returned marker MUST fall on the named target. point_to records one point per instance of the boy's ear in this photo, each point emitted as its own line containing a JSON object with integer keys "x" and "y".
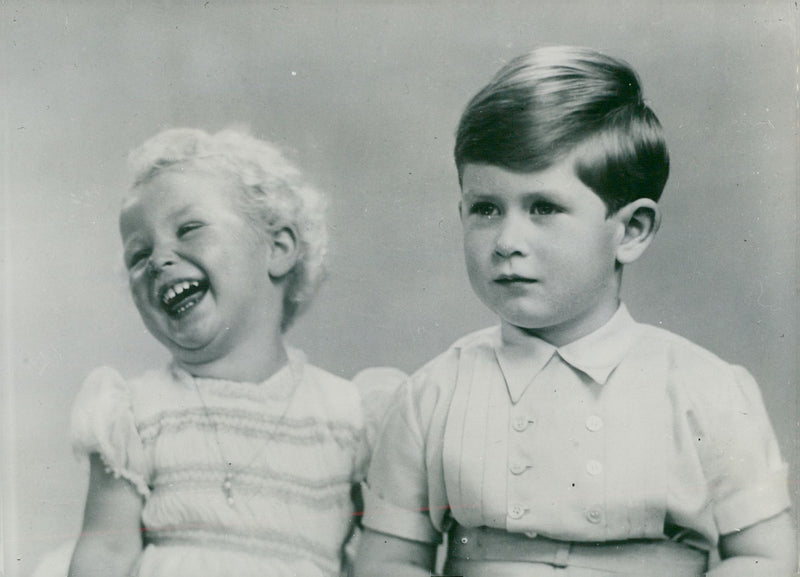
{"x": 639, "y": 222}
{"x": 285, "y": 251}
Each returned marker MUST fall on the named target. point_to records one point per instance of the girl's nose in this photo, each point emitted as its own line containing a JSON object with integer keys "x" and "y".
{"x": 511, "y": 239}
{"x": 158, "y": 261}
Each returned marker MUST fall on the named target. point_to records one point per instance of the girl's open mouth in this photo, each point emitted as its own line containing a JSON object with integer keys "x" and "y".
{"x": 178, "y": 298}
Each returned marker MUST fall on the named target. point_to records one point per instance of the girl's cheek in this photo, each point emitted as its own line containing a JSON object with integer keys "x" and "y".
{"x": 138, "y": 289}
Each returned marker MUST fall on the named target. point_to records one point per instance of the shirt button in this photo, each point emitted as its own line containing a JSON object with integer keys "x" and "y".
{"x": 594, "y": 467}
{"x": 594, "y": 423}
{"x": 520, "y": 424}
{"x": 594, "y": 515}
{"x": 518, "y": 468}
{"x": 516, "y": 512}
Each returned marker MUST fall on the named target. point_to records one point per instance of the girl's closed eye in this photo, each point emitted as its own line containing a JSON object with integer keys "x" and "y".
{"x": 188, "y": 227}
{"x": 136, "y": 257}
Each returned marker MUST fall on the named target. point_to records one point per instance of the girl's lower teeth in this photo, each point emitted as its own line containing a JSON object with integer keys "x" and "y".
{"x": 180, "y": 310}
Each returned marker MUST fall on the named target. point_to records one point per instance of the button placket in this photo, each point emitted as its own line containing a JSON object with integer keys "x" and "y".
{"x": 519, "y": 461}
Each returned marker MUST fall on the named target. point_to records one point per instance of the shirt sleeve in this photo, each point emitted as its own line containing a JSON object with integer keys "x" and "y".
{"x": 103, "y": 423}
{"x": 742, "y": 462}
{"x": 377, "y": 387}
{"x": 396, "y": 492}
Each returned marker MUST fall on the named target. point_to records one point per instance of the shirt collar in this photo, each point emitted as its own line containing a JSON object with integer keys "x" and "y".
{"x": 596, "y": 354}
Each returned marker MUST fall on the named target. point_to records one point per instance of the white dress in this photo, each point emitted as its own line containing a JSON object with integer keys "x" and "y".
{"x": 290, "y": 448}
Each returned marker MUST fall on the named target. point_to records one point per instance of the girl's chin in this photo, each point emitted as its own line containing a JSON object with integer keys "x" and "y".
{"x": 188, "y": 346}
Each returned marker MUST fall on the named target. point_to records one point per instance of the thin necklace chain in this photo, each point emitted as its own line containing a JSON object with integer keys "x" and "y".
{"x": 227, "y": 482}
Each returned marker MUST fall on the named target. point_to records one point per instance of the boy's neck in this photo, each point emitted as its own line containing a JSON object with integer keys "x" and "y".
{"x": 563, "y": 333}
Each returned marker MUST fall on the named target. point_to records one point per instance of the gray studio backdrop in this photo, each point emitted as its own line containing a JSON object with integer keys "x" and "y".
{"x": 365, "y": 96}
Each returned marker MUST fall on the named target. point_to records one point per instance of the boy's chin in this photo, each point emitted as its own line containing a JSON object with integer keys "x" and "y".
{"x": 541, "y": 326}
{"x": 525, "y": 325}
{"x": 525, "y": 320}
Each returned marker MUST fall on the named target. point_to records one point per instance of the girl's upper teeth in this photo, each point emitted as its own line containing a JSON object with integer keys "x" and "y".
{"x": 177, "y": 289}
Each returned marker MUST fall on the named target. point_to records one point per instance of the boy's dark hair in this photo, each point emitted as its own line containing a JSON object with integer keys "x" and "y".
{"x": 553, "y": 101}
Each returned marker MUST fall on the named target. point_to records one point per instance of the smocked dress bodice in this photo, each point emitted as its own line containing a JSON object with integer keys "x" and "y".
{"x": 236, "y": 478}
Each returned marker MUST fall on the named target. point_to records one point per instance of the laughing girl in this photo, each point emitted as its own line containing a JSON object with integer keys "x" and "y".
{"x": 239, "y": 457}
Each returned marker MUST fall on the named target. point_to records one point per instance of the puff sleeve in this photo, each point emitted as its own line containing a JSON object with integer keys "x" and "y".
{"x": 397, "y": 492}
{"x": 377, "y": 387}
{"x": 746, "y": 474}
{"x": 103, "y": 422}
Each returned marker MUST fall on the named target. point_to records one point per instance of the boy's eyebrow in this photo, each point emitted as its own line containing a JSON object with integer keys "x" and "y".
{"x": 475, "y": 195}
{"x": 544, "y": 193}
{"x": 479, "y": 193}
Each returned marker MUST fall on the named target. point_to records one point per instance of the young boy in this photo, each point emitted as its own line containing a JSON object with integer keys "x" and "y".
{"x": 571, "y": 440}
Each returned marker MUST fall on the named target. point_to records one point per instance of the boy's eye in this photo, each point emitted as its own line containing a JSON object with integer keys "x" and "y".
{"x": 188, "y": 227}
{"x": 484, "y": 209}
{"x": 543, "y": 208}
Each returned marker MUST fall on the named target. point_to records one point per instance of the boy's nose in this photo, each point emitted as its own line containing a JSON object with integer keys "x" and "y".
{"x": 510, "y": 239}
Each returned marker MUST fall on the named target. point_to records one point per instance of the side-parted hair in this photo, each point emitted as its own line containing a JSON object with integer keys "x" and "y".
{"x": 273, "y": 194}
{"x": 554, "y": 101}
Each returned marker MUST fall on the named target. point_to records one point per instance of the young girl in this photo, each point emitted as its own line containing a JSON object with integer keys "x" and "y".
{"x": 239, "y": 457}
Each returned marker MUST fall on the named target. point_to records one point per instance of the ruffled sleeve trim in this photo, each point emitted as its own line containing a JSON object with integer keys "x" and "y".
{"x": 103, "y": 423}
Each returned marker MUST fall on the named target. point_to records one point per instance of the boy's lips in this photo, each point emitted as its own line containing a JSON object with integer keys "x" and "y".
{"x": 510, "y": 279}
{"x": 178, "y": 297}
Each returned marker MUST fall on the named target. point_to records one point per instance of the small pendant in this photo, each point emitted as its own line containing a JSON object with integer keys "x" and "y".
{"x": 227, "y": 489}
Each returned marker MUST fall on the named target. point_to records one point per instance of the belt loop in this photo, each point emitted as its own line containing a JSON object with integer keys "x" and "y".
{"x": 561, "y": 558}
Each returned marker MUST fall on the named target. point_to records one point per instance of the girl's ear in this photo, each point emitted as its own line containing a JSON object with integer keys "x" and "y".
{"x": 285, "y": 252}
{"x": 639, "y": 221}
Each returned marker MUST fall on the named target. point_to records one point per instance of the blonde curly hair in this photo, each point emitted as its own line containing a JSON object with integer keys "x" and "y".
{"x": 274, "y": 194}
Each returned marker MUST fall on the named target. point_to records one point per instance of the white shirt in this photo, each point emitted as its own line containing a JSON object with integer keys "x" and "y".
{"x": 630, "y": 432}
